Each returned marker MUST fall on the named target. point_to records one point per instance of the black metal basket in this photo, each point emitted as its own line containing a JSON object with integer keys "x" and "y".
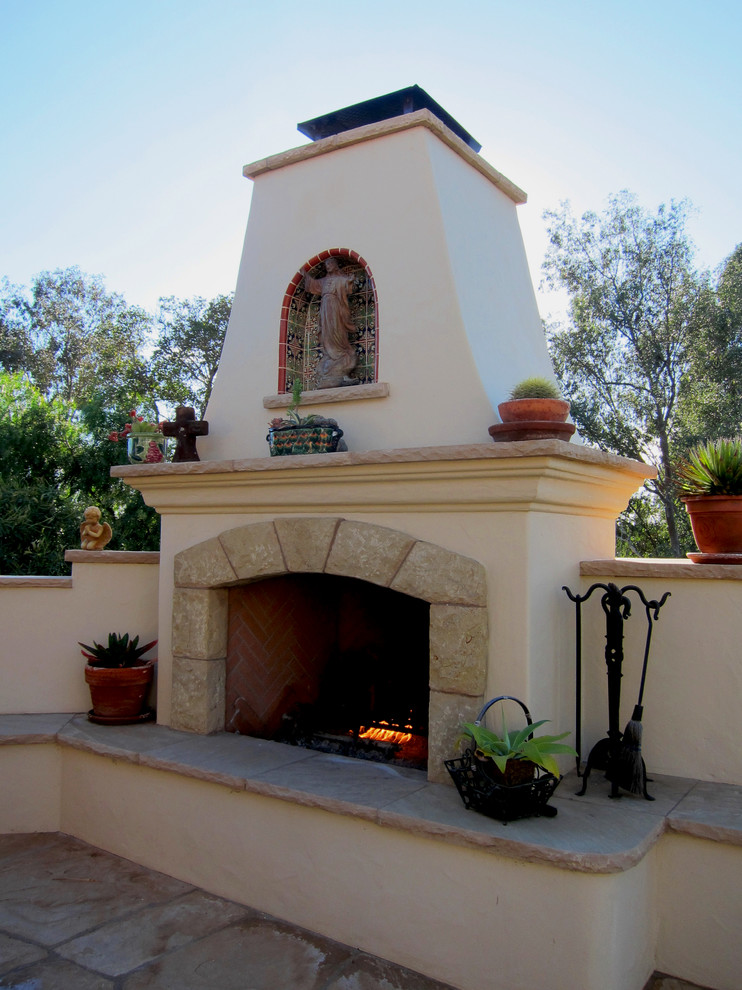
{"x": 480, "y": 793}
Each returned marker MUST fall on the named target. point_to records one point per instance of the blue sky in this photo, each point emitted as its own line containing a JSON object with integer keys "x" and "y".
{"x": 126, "y": 126}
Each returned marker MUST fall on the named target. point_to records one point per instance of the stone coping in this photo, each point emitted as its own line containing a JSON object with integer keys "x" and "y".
{"x": 659, "y": 567}
{"x": 481, "y": 452}
{"x": 26, "y": 581}
{"x": 393, "y": 125}
{"x": 376, "y": 390}
{"x": 591, "y": 834}
{"x": 112, "y": 556}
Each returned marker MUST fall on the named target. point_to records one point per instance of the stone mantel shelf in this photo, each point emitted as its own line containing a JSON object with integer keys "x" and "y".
{"x": 591, "y": 834}
{"x": 485, "y": 452}
{"x": 549, "y": 475}
{"x": 319, "y": 396}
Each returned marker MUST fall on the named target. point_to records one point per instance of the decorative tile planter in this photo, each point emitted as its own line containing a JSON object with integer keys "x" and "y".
{"x": 146, "y": 448}
{"x": 304, "y": 440}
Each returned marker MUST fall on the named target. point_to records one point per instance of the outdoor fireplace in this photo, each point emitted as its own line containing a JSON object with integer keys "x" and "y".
{"x": 330, "y": 663}
{"x": 340, "y": 626}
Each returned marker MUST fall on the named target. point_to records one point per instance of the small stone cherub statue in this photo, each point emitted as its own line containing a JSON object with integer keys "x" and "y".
{"x": 94, "y": 535}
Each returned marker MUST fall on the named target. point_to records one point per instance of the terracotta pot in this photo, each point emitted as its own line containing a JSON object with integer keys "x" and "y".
{"x": 531, "y": 430}
{"x": 538, "y": 410}
{"x": 716, "y": 522}
{"x": 119, "y": 692}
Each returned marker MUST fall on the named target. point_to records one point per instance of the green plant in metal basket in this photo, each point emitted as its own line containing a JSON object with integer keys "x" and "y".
{"x": 535, "y": 388}
{"x": 712, "y": 468}
{"x": 120, "y": 652}
{"x": 521, "y": 745}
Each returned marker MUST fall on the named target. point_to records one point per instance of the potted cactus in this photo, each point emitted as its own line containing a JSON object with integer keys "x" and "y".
{"x": 710, "y": 485}
{"x": 119, "y": 679}
{"x": 535, "y": 410}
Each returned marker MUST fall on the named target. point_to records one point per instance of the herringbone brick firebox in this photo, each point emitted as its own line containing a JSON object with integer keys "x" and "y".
{"x": 357, "y": 652}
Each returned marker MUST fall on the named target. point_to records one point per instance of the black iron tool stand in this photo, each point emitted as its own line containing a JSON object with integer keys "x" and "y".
{"x": 608, "y": 754}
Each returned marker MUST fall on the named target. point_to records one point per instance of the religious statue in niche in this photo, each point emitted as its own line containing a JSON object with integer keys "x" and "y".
{"x": 339, "y": 356}
{"x": 94, "y": 535}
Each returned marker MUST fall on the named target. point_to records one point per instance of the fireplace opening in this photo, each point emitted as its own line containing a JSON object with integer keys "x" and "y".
{"x": 332, "y": 664}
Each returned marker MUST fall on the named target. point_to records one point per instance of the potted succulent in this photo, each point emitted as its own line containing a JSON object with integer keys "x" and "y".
{"x": 511, "y": 774}
{"x": 710, "y": 485}
{"x": 145, "y": 440}
{"x": 296, "y": 434}
{"x": 118, "y": 679}
{"x": 535, "y": 410}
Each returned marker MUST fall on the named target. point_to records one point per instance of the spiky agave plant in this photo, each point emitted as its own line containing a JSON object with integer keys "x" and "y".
{"x": 120, "y": 652}
{"x": 712, "y": 468}
{"x": 518, "y": 746}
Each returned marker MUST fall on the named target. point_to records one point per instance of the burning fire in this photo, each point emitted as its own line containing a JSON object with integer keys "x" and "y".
{"x": 380, "y": 734}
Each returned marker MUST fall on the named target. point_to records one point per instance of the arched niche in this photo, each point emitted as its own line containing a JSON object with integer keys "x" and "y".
{"x": 299, "y": 350}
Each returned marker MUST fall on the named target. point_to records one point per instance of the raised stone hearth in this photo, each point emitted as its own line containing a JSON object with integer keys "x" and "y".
{"x": 453, "y": 585}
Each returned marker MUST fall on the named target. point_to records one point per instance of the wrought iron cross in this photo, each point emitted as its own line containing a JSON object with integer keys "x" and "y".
{"x": 185, "y": 429}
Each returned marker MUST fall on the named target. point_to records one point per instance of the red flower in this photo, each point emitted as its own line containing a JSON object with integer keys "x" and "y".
{"x": 132, "y": 412}
{"x": 140, "y": 419}
{"x": 113, "y": 436}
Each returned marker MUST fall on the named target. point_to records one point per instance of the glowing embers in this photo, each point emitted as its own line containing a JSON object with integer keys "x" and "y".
{"x": 381, "y": 742}
{"x": 410, "y": 749}
{"x": 384, "y": 733}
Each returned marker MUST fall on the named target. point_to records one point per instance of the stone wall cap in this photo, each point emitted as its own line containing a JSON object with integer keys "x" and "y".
{"x": 38, "y": 581}
{"x": 590, "y": 835}
{"x": 112, "y": 556}
{"x": 665, "y": 568}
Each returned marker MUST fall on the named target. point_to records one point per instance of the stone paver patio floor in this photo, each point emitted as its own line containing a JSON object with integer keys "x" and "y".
{"x": 73, "y": 916}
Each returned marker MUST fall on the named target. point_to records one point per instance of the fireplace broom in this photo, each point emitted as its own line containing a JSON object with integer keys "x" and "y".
{"x": 631, "y": 771}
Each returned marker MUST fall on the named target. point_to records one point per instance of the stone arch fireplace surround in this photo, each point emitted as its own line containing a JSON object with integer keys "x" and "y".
{"x": 453, "y": 585}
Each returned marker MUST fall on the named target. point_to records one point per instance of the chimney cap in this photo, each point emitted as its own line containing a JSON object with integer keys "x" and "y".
{"x": 383, "y": 108}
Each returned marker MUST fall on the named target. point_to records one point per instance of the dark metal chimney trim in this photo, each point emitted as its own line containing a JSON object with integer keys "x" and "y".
{"x": 395, "y": 104}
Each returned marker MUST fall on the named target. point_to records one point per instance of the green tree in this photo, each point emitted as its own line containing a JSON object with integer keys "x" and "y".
{"x": 16, "y": 345}
{"x": 73, "y": 337}
{"x": 636, "y": 303}
{"x": 188, "y": 348}
{"x": 53, "y": 464}
{"x": 711, "y": 401}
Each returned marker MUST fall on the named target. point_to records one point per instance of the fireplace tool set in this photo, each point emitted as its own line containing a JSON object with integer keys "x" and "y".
{"x": 619, "y": 754}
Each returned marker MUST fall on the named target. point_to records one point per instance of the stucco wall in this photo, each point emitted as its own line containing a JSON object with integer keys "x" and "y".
{"x": 455, "y": 913}
{"x": 44, "y": 619}
{"x": 457, "y": 319}
{"x": 691, "y": 725}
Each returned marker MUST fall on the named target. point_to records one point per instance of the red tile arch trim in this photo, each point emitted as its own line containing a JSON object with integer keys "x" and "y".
{"x": 289, "y": 295}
